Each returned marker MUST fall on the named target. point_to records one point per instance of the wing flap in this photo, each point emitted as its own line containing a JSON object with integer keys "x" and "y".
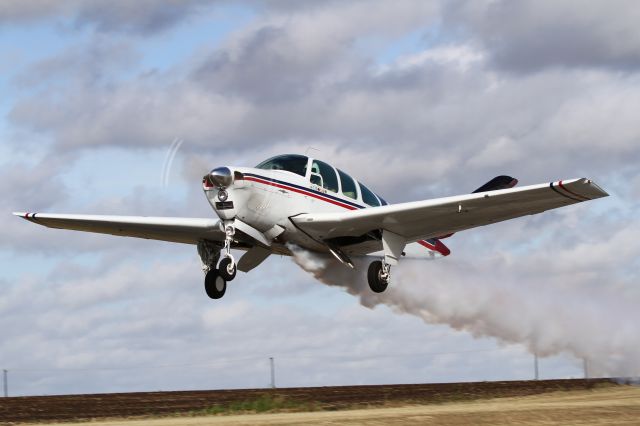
{"x": 174, "y": 229}
{"x": 428, "y": 219}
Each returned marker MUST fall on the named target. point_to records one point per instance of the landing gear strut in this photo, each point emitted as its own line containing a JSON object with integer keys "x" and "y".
{"x": 378, "y": 276}
{"x": 227, "y": 267}
{"x": 215, "y": 280}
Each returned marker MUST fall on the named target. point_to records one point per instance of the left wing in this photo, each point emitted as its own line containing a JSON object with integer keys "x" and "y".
{"x": 422, "y": 220}
{"x": 174, "y": 229}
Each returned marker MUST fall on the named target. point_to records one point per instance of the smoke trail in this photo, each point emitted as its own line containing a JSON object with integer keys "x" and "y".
{"x": 599, "y": 324}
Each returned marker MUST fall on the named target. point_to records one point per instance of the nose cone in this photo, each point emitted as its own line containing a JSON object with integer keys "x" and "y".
{"x": 221, "y": 177}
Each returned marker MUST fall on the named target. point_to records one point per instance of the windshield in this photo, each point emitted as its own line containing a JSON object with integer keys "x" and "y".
{"x": 291, "y": 163}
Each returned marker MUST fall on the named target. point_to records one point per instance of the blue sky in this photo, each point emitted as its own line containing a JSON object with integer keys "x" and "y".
{"x": 440, "y": 97}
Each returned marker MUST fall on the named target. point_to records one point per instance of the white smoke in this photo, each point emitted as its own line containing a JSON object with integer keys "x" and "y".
{"x": 597, "y": 323}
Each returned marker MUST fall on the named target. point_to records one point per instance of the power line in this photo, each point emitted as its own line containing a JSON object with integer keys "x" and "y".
{"x": 222, "y": 361}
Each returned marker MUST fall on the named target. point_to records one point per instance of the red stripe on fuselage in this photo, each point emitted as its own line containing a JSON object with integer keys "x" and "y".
{"x": 300, "y": 191}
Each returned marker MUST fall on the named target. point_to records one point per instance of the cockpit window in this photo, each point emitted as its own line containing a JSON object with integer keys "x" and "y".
{"x": 369, "y": 197}
{"x": 348, "y": 185}
{"x": 291, "y": 163}
{"x": 323, "y": 175}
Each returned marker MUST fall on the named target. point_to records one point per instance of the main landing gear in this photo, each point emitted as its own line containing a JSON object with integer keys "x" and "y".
{"x": 379, "y": 272}
{"x": 378, "y": 276}
{"x": 215, "y": 280}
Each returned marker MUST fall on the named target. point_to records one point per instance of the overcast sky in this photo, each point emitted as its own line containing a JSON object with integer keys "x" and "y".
{"x": 418, "y": 99}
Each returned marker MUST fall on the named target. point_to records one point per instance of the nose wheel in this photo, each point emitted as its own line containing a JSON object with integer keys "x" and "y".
{"x": 378, "y": 276}
{"x": 227, "y": 269}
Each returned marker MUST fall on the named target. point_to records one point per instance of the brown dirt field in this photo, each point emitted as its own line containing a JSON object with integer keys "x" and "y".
{"x": 101, "y": 406}
{"x": 608, "y": 406}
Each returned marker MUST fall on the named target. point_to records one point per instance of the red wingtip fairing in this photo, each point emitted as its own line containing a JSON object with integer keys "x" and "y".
{"x": 442, "y": 249}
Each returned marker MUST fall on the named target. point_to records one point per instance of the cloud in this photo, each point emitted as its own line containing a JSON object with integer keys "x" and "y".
{"x": 72, "y": 334}
{"x": 35, "y": 186}
{"x": 87, "y": 64}
{"x": 530, "y": 36}
{"x": 284, "y": 81}
{"x": 140, "y": 17}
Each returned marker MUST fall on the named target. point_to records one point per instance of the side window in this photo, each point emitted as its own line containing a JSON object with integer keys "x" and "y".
{"x": 369, "y": 197}
{"x": 348, "y": 185}
{"x": 323, "y": 175}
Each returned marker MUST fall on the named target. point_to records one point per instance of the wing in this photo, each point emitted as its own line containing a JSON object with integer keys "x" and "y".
{"x": 174, "y": 229}
{"x": 422, "y": 220}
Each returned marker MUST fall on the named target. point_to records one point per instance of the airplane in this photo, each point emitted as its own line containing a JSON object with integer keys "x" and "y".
{"x": 295, "y": 200}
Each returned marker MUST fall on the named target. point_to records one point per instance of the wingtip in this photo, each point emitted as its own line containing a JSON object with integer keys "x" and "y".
{"x": 596, "y": 190}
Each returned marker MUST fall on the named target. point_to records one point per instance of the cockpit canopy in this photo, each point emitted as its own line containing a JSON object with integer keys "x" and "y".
{"x": 323, "y": 175}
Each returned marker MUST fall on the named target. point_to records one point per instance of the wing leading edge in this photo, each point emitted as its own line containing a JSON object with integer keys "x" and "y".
{"x": 174, "y": 229}
{"x": 420, "y": 220}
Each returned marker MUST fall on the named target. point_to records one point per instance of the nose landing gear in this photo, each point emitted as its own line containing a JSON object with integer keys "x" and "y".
{"x": 215, "y": 280}
{"x": 227, "y": 267}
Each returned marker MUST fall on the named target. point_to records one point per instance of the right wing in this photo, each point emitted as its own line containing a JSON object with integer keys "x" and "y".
{"x": 174, "y": 229}
{"x": 422, "y": 220}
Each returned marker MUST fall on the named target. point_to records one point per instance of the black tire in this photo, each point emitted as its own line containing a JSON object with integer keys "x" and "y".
{"x": 224, "y": 267}
{"x": 374, "y": 276}
{"x": 214, "y": 284}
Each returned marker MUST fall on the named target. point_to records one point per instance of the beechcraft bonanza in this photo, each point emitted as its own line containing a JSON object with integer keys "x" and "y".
{"x": 296, "y": 200}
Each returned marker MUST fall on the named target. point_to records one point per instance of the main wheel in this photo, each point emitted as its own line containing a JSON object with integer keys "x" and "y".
{"x": 375, "y": 275}
{"x": 227, "y": 269}
{"x": 214, "y": 284}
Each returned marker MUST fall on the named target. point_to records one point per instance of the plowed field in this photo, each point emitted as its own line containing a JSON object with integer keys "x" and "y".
{"x": 100, "y": 406}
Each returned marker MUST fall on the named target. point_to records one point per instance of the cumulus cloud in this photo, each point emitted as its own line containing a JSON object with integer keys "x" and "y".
{"x": 139, "y": 17}
{"x": 529, "y": 36}
{"x": 288, "y": 80}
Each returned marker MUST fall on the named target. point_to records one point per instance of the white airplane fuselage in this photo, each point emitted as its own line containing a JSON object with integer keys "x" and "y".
{"x": 264, "y": 199}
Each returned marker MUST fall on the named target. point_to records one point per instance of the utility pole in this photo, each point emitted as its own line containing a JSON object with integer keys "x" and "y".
{"x": 5, "y": 383}
{"x": 585, "y": 366}
{"x": 535, "y": 365}
{"x": 273, "y": 373}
